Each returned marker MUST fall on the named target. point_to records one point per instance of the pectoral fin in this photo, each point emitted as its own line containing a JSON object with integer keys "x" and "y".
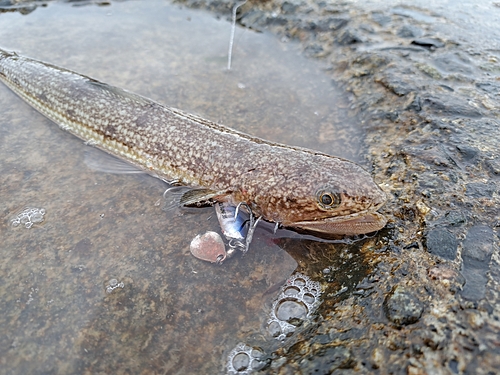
{"x": 199, "y": 197}
{"x": 100, "y": 161}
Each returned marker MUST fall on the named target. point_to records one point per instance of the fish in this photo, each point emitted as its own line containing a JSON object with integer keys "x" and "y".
{"x": 293, "y": 187}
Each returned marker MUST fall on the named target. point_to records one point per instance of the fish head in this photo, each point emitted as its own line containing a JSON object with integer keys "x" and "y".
{"x": 331, "y": 197}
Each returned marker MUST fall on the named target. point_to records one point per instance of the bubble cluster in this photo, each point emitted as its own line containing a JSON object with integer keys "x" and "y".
{"x": 28, "y": 217}
{"x": 298, "y": 300}
{"x": 244, "y": 359}
{"x": 114, "y": 284}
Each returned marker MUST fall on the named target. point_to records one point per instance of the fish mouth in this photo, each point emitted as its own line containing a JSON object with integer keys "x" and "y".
{"x": 370, "y": 222}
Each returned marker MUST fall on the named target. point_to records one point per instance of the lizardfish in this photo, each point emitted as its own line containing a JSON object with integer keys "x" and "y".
{"x": 291, "y": 186}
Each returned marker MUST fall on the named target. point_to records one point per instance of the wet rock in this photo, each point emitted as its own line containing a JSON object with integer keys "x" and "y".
{"x": 480, "y": 189}
{"x": 433, "y": 155}
{"x": 476, "y": 254}
{"x": 328, "y": 359}
{"x": 494, "y": 165}
{"x": 410, "y": 31}
{"x": 448, "y": 106}
{"x": 290, "y": 7}
{"x": 258, "y": 20}
{"x": 449, "y": 277}
{"x": 410, "y": 13}
{"x": 430, "y": 43}
{"x": 442, "y": 243}
{"x": 381, "y": 18}
{"x": 372, "y": 62}
{"x": 467, "y": 152}
{"x": 452, "y": 219}
{"x": 326, "y": 24}
{"x": 314, "y": 50}
{"x": 453, "y": 365}
{"x": 489, "y": 87}
{"x": 402, "y": 307}
{"x": 414, "y": 104}
{"x": 475, "y": 284}
{"x": 389, "y": 115}
{"x": 368, "y": 28}
{"x": 348, "y": 37}
{"x": 397, "y": 85}
{"x": 429, "y": 70}
{"x": 453, "y": 63}
{"x": 253, "y": 19}
{"x": 478, "y": 244}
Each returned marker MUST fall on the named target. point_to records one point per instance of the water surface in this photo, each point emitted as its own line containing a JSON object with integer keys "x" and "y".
{"x": 167, "y": 311}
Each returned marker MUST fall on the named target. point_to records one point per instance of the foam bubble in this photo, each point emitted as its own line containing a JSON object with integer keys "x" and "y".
{"x": 244, "y": 359}
{"x": 114, "y": 284}
{"x": 298, "y": 300}
{"x": 28, "y": 217}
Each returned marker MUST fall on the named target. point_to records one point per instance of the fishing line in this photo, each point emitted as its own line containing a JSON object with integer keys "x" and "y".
{"x": 232, "y": 43}
{"x": 233, "y": 27}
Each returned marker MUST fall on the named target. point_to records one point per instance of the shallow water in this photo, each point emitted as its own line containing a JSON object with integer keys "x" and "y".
{"x": 106, "y": 282}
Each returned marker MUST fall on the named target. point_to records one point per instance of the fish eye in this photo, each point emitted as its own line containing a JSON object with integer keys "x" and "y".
{"x": 328, "y": 199}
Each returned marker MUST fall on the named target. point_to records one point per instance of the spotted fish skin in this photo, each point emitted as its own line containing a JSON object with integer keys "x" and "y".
{"x": 278, "y": 182}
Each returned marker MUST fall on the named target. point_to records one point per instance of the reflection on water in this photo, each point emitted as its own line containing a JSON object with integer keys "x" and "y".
{"x": 107, "y": 283}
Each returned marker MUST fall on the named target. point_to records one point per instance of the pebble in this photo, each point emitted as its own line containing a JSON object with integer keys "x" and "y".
{"x": 442, "y": 243}
{"x": 402, "y": 307}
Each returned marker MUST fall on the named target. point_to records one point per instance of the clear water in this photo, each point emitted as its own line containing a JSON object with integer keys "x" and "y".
{"x": 104, "y": 281}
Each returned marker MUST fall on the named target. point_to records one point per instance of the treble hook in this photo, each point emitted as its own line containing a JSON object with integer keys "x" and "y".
{"x": 276, "y": 226}
{"x": 172, "y": 188}
{"x": 251, "y": 230}
{"x": 252, "y": 225}
{"x": 238, "y": 208}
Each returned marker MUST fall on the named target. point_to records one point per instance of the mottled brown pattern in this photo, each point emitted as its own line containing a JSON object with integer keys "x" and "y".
{"x": 278, "y": 182}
